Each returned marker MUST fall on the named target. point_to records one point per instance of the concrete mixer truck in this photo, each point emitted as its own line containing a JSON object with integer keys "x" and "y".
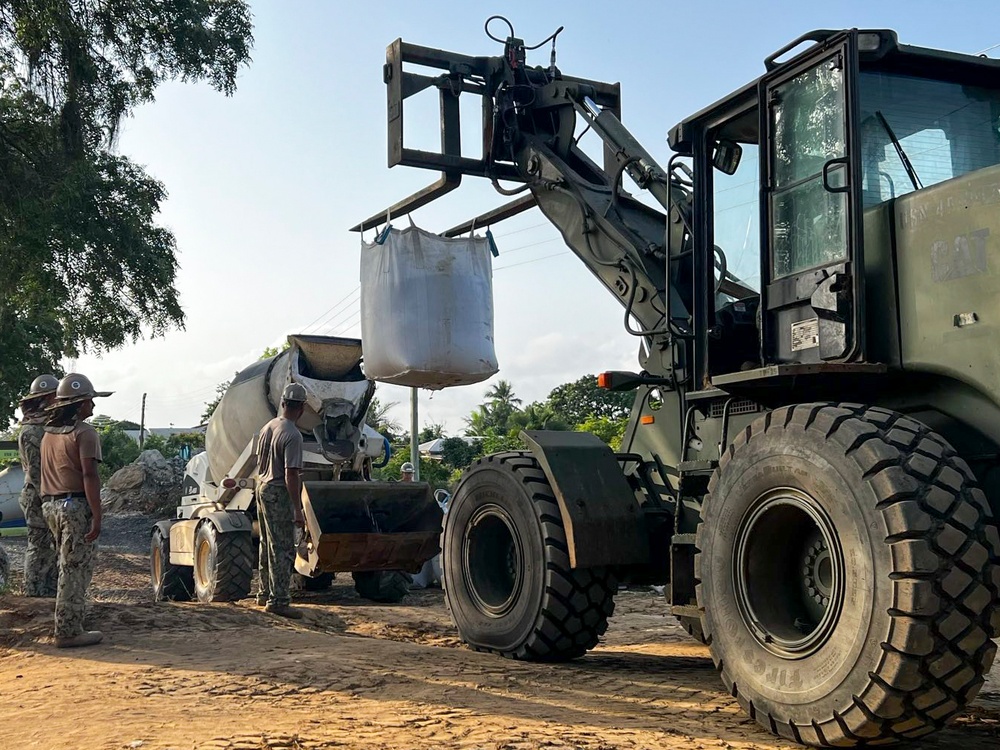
{"x": 378, "y": 531}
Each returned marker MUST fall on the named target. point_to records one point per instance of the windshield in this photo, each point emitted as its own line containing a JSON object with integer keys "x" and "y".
{"x": 917, "y": 132}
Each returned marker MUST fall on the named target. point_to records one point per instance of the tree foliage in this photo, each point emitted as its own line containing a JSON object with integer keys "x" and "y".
{"x": 170, "y": 446}
{"x": 117, "y": 449}
{"x": 85, "y": 265}
{"x": 211, "y": 406}
{"x": 578, "y": 401}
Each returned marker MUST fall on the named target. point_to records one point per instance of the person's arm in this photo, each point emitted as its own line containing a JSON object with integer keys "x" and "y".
{"x": 293, "y": 481}
{"x": 92, "y": 488}
{"x": 293, "y": 477}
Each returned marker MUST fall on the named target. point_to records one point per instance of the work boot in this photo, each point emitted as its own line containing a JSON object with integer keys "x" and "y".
{"x": 86, "y": 638}
{"x": 260, "y": 600}
{"x": 284, "y": 610}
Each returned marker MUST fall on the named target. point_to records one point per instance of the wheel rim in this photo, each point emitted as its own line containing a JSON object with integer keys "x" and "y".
{"x": 788, "y": 573}
{"x": 203, "y": 563}
{"x": 493, "y": 561}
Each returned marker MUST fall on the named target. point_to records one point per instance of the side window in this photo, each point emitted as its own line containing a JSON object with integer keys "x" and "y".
{"x": 808, "y": 126}
{"x": 736, "y": 207}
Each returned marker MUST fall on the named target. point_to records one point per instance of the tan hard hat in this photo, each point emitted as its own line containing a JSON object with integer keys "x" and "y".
{"x": 43, "y": 385}
{"x": 75, "y": 387}
{"x": 294, "y": 392}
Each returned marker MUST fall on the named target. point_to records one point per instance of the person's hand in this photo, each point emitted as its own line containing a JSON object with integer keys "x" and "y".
{"x": 299, "y": 519}
{"x": 95, "y": 530}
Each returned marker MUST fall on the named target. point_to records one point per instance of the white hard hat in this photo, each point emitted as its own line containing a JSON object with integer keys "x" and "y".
{"x": 406, "y": 468}
{"x": 293, "y": 392}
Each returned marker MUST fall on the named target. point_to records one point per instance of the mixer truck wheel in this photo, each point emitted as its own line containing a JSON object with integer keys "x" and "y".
{"x": 320, "y": 582}
{"x": 849, "y": 569}
{"x": 223, "y": 564}
{"x": 386, "y": 586}
{"x": 693, "y": 627}
{"x": 507, "y": 576}
{"x": 170, "y": 582}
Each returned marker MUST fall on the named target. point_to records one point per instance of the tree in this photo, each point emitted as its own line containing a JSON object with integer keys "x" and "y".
{"x": 273, "y": 351}
{"x": 581, "y": 399}
{"x": 611, "y": 431}
{"x": 538, "y": 417}
{"x": 378, "y": 419}
{"x": 85, "y": 265}
{"x": 117, "y": 450}
{"x": 430, "y": 432}
{"x": 458, "y": 453}
{"x": 211, "y": 406}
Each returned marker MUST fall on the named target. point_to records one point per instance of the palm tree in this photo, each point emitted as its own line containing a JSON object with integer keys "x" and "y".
{"x": 503, "y": 394}
{"x": 378, "y": 418}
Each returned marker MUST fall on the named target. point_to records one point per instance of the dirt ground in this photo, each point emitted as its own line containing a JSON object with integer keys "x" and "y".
{"x": 354, "y": 675}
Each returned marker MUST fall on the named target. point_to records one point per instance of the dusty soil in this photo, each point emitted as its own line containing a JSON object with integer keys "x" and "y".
{"x": 360, "y": 676}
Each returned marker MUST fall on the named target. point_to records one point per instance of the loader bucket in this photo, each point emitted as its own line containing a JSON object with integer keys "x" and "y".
{"x": 356, "y": 526}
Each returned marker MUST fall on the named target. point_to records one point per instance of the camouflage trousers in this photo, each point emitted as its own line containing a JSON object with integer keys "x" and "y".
{"x": 69, "y": 521}
{"x": 41, "y": 564}
{"x": 277, "y": 543}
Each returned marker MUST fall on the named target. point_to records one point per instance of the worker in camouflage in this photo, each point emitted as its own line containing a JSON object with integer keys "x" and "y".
{"x": 71, "y": 491}
{"x": 279, "y": 502}
{"x": 41, "y": 567}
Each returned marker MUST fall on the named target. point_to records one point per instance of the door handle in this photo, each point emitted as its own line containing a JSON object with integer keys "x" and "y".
{"x": 842, "y": 160}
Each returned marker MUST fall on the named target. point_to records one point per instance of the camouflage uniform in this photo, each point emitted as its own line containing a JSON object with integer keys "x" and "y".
{"x": 69, "y": 520}
{"x": 41, "y": 565}
{"x": 277, "y": 544}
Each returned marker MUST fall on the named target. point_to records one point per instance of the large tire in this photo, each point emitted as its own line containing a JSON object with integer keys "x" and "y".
{"x": 849, "y": 573}
{"x": 384, "y": 586}
{"x": 693, "y": 627}
{"x": 170, "y": 582}
{"x": 223, "y": 564}
{"x": 507, "y": 578}
{"x": 4, "y": 570}
{"x": 320, "y": 582}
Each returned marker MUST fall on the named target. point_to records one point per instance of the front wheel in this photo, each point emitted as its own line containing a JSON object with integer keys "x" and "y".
{"x": 849, "y": 575}
{"x": 383, "y": 586}
{"x": 507, "y": 577}
{"x": 223, "y": 564}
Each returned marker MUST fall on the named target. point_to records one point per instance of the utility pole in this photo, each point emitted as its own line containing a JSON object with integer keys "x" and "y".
{"x": 142, "y": 422}
{"x": 414, "y": 445}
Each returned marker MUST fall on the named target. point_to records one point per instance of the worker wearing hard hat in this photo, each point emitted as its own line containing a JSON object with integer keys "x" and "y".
{"x": 71, "y": 491}
{"x": 406, "y": 472}
{"x": 279, "y": 502}
{"x": 41, "y": 565}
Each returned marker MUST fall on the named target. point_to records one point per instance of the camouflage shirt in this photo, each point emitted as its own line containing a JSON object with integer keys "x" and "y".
{"x": 29, "y": 445}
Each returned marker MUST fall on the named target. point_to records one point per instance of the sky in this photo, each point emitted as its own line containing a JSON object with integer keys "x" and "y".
{"x": 264, "y": 185}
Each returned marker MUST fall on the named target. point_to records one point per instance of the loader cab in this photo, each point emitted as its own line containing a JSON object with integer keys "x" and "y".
{"x": 795, "y": 239}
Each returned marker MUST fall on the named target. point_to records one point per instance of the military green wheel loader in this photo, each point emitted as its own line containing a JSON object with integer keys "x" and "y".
{"x": 811, "y": 462}
{"x": 380, "y": 532}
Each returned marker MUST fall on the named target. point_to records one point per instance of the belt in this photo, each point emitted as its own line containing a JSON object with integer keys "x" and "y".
{"x": 68, "y": 496}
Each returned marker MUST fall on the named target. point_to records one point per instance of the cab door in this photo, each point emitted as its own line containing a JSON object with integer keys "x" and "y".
{"x": 812, "y": 285}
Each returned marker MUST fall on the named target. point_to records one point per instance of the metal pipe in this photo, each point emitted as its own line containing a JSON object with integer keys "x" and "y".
{"x": 414, "y": 447}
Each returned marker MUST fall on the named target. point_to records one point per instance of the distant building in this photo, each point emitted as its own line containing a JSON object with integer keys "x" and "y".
{"x": 435, "y": 448}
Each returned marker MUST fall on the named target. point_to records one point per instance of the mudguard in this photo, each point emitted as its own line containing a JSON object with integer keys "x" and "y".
{"x": 603, "y": 522}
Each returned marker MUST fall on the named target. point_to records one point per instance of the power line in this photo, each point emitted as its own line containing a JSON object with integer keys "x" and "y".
{"x": 983, "y": 52}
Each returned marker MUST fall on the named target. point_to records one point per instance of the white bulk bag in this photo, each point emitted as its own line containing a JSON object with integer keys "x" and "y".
{"x": 427, "y": 309}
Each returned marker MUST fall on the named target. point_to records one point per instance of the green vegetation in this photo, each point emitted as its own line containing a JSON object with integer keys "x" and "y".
{"x": 85, "y": 265}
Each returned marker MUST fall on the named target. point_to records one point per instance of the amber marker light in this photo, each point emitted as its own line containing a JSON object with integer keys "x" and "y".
{"x": 604, "y": 380}
{"x": 647, "y": 419}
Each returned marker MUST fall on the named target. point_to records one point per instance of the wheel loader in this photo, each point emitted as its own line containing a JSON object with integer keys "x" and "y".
{"x": 810, "y": 467}
{"x": 378, "y": 531}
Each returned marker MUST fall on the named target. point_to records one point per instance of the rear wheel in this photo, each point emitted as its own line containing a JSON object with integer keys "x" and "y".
{"x": 849, "y": 573}
{"x": 223, "y": 564}
{"x": 508, "y": 581}
{"x": 170, "y": 582}
{"x": 320, "y": 582}
{"x": 693, "y": 627}
{"x": 384, "y": 586}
